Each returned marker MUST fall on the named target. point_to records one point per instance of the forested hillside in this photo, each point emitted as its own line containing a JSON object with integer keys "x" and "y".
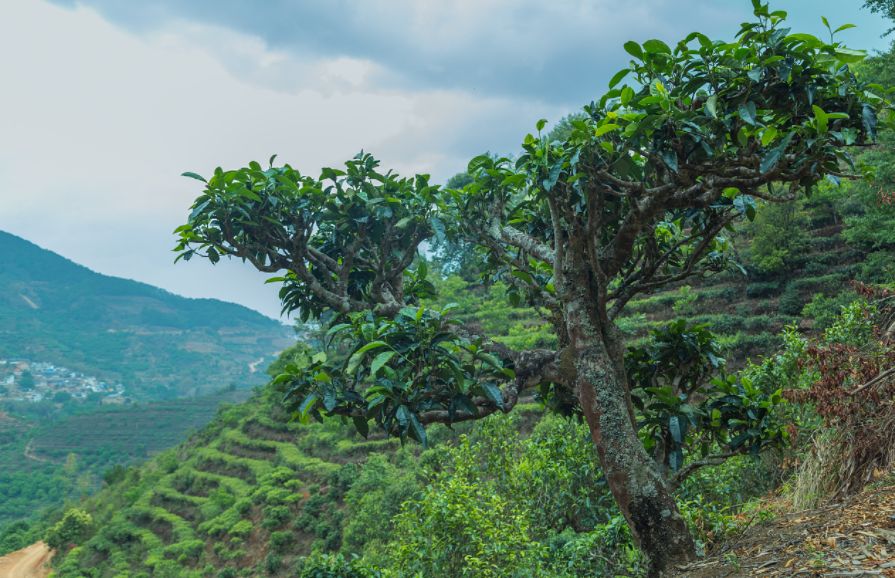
{"x": 156, "y": 344}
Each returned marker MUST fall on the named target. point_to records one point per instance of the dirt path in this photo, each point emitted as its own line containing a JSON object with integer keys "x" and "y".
{"x": 29, "y": 562}
{"x": 29, "y": 453}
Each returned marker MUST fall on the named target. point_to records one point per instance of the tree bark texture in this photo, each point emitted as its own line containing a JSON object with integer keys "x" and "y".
{"x": 641, "y": 492}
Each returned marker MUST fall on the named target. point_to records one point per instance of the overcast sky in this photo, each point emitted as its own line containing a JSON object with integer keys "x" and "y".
{"x": 105, "y": 102}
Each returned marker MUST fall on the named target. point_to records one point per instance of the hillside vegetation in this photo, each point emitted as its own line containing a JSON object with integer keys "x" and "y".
{"x": 66, "y": 456}
{"x": 255, "y": 494}
{"x": 158, "y": 345}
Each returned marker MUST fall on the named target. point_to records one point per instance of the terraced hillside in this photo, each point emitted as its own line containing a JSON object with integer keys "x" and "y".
{"x": 125, "y": 434}
{"x": 247, "y": 492}
{"x": 44, "y": 462}
{"x": 748, "y": 311}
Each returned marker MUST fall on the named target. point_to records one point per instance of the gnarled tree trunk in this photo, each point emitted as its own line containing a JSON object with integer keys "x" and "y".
{"x": 634, "y": 478}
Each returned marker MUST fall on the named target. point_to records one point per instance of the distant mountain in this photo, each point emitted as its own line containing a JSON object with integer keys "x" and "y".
{"x": 157, "y": 344}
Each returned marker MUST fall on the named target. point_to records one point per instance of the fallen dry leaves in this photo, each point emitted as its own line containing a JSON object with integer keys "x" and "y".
{"x": 855, "y": 538}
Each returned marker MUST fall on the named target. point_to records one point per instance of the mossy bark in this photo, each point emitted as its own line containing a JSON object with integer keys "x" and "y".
{"x": 634, "y": 478}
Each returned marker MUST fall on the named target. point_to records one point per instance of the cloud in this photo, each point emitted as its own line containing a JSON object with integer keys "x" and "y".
{"x": 560, "y": 51}
{"x": 100, "y": 122}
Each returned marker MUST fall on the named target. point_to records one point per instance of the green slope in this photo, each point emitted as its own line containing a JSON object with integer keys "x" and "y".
{"x": 46, "y": 462}
{"x": 246, "y": 488}
{"x": 157, "y": 344}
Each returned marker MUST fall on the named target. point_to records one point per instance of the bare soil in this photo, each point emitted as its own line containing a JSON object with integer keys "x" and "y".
{"x": 30, "y": 562}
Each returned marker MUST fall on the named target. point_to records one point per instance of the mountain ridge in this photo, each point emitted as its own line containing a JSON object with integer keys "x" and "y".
{"x": 159, "y": 344}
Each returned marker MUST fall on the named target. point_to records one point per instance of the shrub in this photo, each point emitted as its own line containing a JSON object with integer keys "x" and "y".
{"x": 779, "y": 237}
{"x": 186, "y": 551}
{"x": 852, "y": 381}
{"x": 241, "y": 528}
{"x": 320, "y": 565}
{"x": 273, "y": 563}
{"x": 374, "y": 499}
{"x": 275, "y": 516}
{"x": 460, "y": 526}
{"x": 878, "y": 267}
{"x": 558, "y": 478}
{"x": 279, "y": 541}
{"x": 762, "y": 289}
{"x": 685, "y": 299}
{"x": 74, "y": 527}
{"x": 607, "y": 550}
{"x": 791, "y": 301}
{"x": 826, "y": 310}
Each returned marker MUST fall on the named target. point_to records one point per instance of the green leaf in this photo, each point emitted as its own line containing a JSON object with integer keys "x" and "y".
{"x": 739, "y": 440}
{"x": 381, "y": 360}
{"x": 361, "y": 425}
{"x": 551, "y": 179}
{"x": 541, "y": 124}
{"x": 417, "y": 431}
{"x": 745, "y": 204}
{"x": 731, "y": 192}
{"x": 809, "y": 40}
{"x": 773, "y": 156}
{"x": 670, "y": 158}
{"x": 868, "y": 118}
{"x": 676, "y": 459}
{"x": 337, "y": 328}
{"x": 403, "y": 416}
{"x": 844, "y": 27}
{"x": 655, "y": 46}
{"x": 330, "y": 401}
{"x": 355, "y": 360}
{"x": 768, "y": 136}
{"x": 747, "y": 112}
{"x": 626, "y": 95}
{"x": 820, "y": 118}
{"x": 606, "y": 128}
{"x": 674, "y": 428}
{"x": 634, "y": 49}
{"x": 618, "y": 77}
{"x": 492, "y": 392}
{"x": 193, "y": 176}
{"x": 307, "y": 404}
{"x": 711, "y": 106}
{"x": 849, "y": 56}
{"x": 249, "y": 194}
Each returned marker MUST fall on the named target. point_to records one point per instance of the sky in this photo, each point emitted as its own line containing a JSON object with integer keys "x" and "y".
{"x": 105, "y": 103}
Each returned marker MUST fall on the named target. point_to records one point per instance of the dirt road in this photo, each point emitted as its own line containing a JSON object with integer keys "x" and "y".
{"x": 29, "y": 453}
{"x": 26, "y": 563}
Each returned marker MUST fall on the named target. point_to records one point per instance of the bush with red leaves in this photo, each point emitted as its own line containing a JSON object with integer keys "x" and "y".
{"x": 853, "y": 385}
